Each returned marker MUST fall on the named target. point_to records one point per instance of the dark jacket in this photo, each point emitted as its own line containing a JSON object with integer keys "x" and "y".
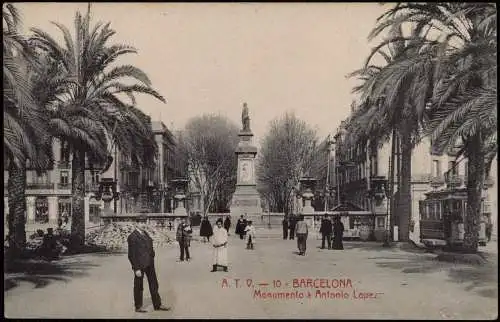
{"x": 227, "y": 223}
{"x": 183, "y": 234}
{"x": 140, "y": 250}
{"x": 326, "y": 227}
{"x": 206, "y": 229}
{"x": 338, "y": 228}
{"x": 240, "y": 227}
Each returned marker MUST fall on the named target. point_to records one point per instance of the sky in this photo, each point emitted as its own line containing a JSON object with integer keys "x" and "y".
{"x": 213, "y": 57}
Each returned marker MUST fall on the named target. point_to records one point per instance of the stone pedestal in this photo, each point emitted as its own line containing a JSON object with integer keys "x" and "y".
{"x": 246, "y": 199}
{"x": 307, "y": 186}
{"x": 30, "y": 209}
{"x": 53, "y": 209}
{"x": 180, "y": 186}
{"x": 180, "y": 211}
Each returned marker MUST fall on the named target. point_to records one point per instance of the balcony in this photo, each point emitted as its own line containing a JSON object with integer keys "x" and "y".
{"x": 489, "y": 182}
{"x": 64, "y": 186}
{"x": 454, "y": 181}
{"x": 44, "y": 185}
{"x": 437, "y": 181}
{"x": 421, "y": 178}
{"x": 64, "y": 165}
{"x": 91, "y": 187}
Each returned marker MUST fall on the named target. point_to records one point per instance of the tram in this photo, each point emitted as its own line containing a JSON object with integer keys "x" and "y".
{"x": 442, "y": 218}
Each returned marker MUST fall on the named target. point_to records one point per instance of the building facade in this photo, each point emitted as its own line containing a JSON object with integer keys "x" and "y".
{"x": 361, "y": 179}
{"x": 48, "y": 194}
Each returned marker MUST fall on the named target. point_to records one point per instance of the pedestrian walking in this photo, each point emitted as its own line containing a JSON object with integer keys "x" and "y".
{"x": 284, "y": 223}
{"x": 206, "y": 229}
{"x": 141, "y": 256}
{"x": 250, "y": 233}
{"x": 292, "y": 223}
{"x": 240, "y": 227}
{"x": 338, "y": 233}
{"x": 227, "y": 223}
{"x": 219, "y": 243}
{"x": 183, "y": 237}
{"x": 301, "y": 231}
{"x": 326, "y": 232}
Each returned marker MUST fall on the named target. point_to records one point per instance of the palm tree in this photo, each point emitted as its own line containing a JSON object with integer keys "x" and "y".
{"x": 91, "y": 115}
{"x": 395, "y": 97}
{"x": 26, "y": 139}
{"x": 464, "y": 93}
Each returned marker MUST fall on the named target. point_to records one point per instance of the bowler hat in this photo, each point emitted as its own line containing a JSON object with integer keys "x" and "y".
{"x": 141, "y": 218}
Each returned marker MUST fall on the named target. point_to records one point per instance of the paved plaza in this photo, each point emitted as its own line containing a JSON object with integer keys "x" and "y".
{"x": 370, "y": 281}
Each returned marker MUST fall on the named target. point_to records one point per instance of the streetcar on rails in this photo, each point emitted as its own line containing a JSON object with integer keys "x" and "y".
{"x": 442, "y": 218}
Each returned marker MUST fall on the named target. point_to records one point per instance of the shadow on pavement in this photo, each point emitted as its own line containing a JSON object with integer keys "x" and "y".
{"x": 41, "y": 273}
{"x": 481, "y": 279}
{"x": 377, "y": 246}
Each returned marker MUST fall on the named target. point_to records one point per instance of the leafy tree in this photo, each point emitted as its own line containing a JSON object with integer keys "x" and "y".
{"x": 288, "y": 152}
{"x": 208, "y": 143}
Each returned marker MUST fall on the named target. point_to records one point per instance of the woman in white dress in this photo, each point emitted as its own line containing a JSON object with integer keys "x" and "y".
{"x": 219, "y": 242}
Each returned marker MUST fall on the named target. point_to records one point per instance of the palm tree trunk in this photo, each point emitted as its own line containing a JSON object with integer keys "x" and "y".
{"x": 396, "y": 193}
{"x": 16, "y": 188}
{"x": 78, "y": 200}
{"x": 404, "y": 207}
{"x": 475, "y": 180}
{"x": 390, "y": 204}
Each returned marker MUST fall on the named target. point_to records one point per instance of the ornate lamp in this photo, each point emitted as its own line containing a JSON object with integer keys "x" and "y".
{"x": 180, "y": 186}
{"x": 307, "y": 185}
{"x": 107, "y": 192}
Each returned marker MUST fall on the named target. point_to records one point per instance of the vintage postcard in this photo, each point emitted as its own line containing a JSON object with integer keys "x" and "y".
{"x": 250, "y": 160}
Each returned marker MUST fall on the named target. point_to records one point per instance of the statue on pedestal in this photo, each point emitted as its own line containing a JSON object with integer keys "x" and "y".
{"x": 245, "y": 119}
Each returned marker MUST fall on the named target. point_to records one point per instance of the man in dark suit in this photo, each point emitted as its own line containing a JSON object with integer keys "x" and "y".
{"x": 141, "y": 255}
{"x": 291, "y": 224}
{"x": 326, "y": 232}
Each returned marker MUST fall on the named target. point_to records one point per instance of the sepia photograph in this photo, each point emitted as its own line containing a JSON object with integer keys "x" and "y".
{"x": 250, "y": 160}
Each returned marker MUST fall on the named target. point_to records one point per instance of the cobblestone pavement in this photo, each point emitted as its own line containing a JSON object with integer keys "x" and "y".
{"x": 386, "y": 283}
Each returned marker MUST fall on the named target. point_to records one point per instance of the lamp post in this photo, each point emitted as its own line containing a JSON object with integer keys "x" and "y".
{"x": 107, "y": 192}
{"x": 327, "y": 184}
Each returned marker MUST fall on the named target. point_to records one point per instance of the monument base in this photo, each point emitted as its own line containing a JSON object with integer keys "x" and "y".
{"x": 246, "y": 201}
{"x": 180, "y": 212}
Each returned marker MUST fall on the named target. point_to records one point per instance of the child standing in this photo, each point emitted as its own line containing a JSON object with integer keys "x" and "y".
{"x": 250, "y": 233}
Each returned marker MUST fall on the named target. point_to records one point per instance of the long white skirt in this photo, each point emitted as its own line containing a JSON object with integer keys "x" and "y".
{"x": 220, "y": 256}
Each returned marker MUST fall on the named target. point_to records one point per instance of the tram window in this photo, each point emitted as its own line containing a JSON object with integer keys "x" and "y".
{"x": 431, "y": 211}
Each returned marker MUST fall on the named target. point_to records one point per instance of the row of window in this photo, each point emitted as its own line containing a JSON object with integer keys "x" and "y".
{"x": 358, "y": 172}
{"x": 452, "y": 168}
{"x": 43, "y": 177}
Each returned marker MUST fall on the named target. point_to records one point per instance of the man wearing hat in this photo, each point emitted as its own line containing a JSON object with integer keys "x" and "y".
{"x": 219, "y": 241}
{"x": 141, "y": 256}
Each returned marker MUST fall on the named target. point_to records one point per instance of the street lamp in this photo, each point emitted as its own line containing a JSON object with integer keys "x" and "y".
{"x": 329, "y": 143}
{"x": 107, "y": 192}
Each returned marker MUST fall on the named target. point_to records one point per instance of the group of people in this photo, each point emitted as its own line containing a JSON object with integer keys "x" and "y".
{"x": 329, "y": 228}
{"x": 296, "y": 227}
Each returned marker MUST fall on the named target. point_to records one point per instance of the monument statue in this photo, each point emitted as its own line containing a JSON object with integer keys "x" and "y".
{"x": 245, "y": 119}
